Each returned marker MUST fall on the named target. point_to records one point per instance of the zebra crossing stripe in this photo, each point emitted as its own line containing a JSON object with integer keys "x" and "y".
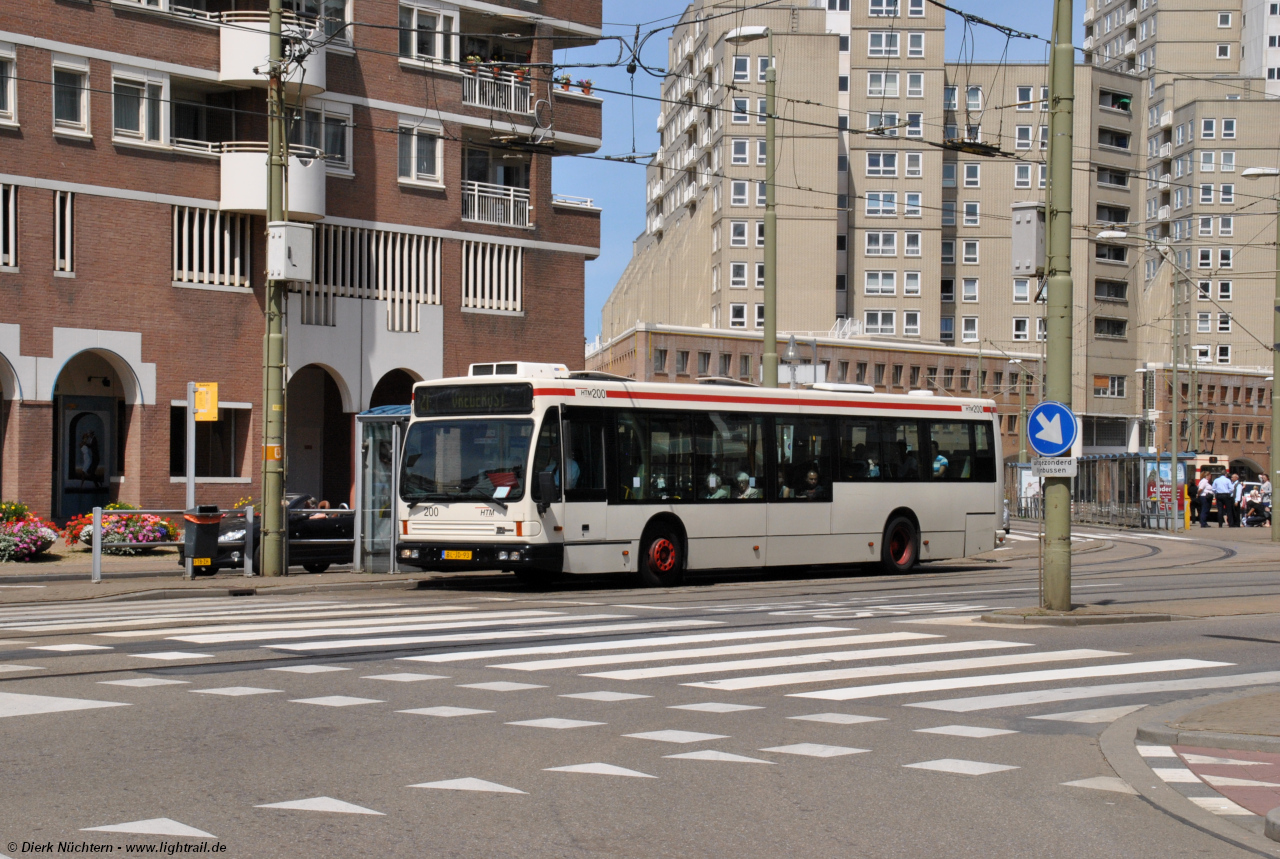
{"x": 1075, "y": 693}
{"x": 1047, "y": 676}
{"x": 514, "y": 618}
{"x": 977, "y": 662}
{"x": 655, "y": 641}
{"x": 694, "y": 653}
{"x": 290, "y": 620}
{"x": 806, "y": 659}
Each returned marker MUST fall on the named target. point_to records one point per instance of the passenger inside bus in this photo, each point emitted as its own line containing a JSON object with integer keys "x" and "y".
{"x": 745, "y": 489}
{"x": 715, "y": 487}
{"x": 812, "y": 490}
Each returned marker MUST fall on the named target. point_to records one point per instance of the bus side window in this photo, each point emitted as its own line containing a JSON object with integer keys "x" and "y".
{"x": 804, "y": 454}
{"x": 949, "y": 457}
{"x": 655, "y": 457}
{"x": 984, "y": 454}
{"x": 900, "y": 447}
{"x": 584, "y": 465}
{"x": 730, "y": 456}
{"x": 546, "y": 455}
{"x": 860, "y": 458}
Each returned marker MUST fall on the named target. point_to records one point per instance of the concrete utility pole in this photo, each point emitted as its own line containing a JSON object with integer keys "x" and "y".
{"x": 1057, "y": 490}
{"x": 1274, "y": 476}
{"x": 770, "y": 229}
{"x": 1173, "y": 412}
{"x": 273, "y": 345}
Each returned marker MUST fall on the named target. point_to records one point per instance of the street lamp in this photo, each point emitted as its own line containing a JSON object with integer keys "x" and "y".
{"x": 1259, "y": 173}
{"x": 769, "y": 361}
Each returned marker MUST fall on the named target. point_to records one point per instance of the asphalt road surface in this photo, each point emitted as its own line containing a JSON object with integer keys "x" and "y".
{"x": 805, "y": 714}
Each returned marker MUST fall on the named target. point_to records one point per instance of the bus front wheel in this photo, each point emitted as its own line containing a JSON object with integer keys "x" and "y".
{"x": 900, "y": 549}
{"x": 662, "y": 558}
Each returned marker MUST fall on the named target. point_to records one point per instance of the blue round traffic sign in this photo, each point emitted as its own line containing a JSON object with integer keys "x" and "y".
{"x": 1051, "y": 429}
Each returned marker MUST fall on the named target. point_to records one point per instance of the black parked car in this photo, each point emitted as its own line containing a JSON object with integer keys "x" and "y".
{"x": 317, "y": 538}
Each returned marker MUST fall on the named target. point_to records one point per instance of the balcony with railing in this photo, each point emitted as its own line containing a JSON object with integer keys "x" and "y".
{"x": 497, "y": 90}
{"x": 501, "y": 205}
{"x": 245, "y": 46}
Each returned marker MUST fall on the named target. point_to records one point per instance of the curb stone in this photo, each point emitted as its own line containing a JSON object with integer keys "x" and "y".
{"x": 1166, "y": 736}
{"x": 1080, "y": 620}
{"x": 1272, "y": 826}
{"x": 1117, "y": 744}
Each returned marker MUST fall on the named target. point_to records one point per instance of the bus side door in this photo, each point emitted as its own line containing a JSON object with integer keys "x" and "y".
{"x": 587, "y": 547}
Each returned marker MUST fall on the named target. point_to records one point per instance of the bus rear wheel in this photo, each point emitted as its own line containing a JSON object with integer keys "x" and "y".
{"x": 900, "y": 549}
{"x": 661, "y": 558}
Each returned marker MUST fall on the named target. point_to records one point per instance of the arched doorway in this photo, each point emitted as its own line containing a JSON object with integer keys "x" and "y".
{"x": 393, "y": 389}
{"x": 90, "y": 427}
{"x": 317, "y": 437}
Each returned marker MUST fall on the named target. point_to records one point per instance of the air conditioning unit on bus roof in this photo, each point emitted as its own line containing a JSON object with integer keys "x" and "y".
{"x": 523, "y": 369}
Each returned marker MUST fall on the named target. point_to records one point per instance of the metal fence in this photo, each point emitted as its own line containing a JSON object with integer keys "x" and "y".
{"x": 1117, "y": 491}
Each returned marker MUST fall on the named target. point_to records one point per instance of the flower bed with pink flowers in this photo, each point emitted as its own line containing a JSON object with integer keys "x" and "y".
{"x": 23, "y": 539}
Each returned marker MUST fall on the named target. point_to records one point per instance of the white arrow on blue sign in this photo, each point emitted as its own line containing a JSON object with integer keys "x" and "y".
{"x": 1051, "y": 429}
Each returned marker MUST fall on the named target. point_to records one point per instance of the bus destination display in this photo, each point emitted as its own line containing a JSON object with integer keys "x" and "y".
{"x": 515, "y": 399}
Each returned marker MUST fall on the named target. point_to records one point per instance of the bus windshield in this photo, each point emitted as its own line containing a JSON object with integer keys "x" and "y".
{"x": 455, "y": 460}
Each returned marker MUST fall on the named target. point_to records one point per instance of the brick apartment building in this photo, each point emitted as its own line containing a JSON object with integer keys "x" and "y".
{"x": 132, "y": 231}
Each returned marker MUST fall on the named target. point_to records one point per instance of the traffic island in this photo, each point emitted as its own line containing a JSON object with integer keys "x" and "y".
{"x": 1082, "y": 615}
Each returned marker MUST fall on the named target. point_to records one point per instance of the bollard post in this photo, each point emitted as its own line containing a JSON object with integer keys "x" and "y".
{"x": 97, "y": 545}
{"x": 248, "y": 541}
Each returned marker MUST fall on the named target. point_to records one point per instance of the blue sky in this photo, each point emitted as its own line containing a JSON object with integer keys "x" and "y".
{"x": 618, "y": 188}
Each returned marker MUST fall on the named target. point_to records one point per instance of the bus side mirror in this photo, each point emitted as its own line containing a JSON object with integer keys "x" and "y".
{"x": 546, "y": 490}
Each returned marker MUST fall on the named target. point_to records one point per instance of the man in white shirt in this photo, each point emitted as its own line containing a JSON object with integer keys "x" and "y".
{"x": 1237, "y": 496}
{"x": 1204, "y": 495}
{"x": 1224, "y": 494}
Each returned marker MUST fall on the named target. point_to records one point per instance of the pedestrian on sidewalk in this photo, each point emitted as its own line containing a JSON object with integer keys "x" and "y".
{"x": 1265, "y": 490}
{"x": 1204, "y": 494}
{"x": 1223, "y": 494}
{"x": 1237, "y": 499}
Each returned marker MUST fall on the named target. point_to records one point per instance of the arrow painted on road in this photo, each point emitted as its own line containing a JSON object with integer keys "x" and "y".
{"x": 1050, "y": 430}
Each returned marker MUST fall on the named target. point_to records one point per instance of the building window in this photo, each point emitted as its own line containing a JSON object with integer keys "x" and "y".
{"x": 949, "y": 98}
{"x": 915, "y": 168}
{"x": 1108, "y": 386}
{"x": 883, "y": 124}
{"x": 915, "y": 85}
{"x": 1228, "y": 129}
{"x": 882, "y": 84}
{"x": 427, "y": 34}
{"x": 911, "y": 283}
{"x": 882, "y": 8}
{"x": 419, "y": 156}
{"x": 71, "y": 98}
{"x": 878, "y": 322}
{"x": 915, "y": 8}
{"x": 1224, "y": 323}
{"x": 138, "y": 109}
{"x": 744, "y": 366}
{"x": 8, "y": 227}
{"x": 1022, "y": 176}
{"x": 1113, "y": 138}
{"x": 759, "y": 315}
{"x": 1224, "y": 20}
{"x": 738, "y": 193}
{"x": 1224, "y": 52}
{"x": 762, "y": 67}
{"x": 881, "y": 204}
{"x": 1204, "y": 323}
{"x": 882, "y": 44}
{"x": 1224, "y": 290}
{"x": 880, "y": 282}
{"x": 759, "y": 275}
{"x": 327, "y": 131}
{"x": 948, "y": 175}
{"x": 1206, "y": 194}
{"x": 915, "y": 44}
{"x": 1224, "y": 354}
{"x": 971, "y": 213}
{"x": 682, "y": 363}
{"x": 915, "y": 125}
{"x": 8, "y": 88}
{"x": 912, "y": 205}
{"x": 1110, "y": 290}
{"x": 844, "y": 44}
{"x": 970, "y": 248}
{"x": 973, "y": 98}
{"x": 759, "y": 234}
{"x": 946, "y": 333}
{"x": 737, "y": 234}
{"x": 1021, "y": 328}
{"x": 740, "y": 111}
{"x": 947, "y": 289}
{"x": 659, "y": 360}
{"x": 910, "y": 328}
{"x": 1227, "y": 195}
{"x": 737, "y": 275}
{"x": 969, "y": 330}
{"x": 1021, "y": 290}
{"x": 1042, "y": 328}
{"x": 969, "y": 289}
{"x": 1225, "y": 257}
{"x": 742, "y": 68}
{"x": 64, "y": 232}
{"x": 704, "y": 363}
{"x": 1022, "y": 136}
{"x": 220, "y": 444}
{"x": 1112, "y": 328}
{"x": 1228, "y": 162}
{"x": 738, "y": 150}
{"x": 972, "y": 175}
{"x": 882, "y": 244}
{"x": 948, "y": 252}
{"x": 762, "y": 193}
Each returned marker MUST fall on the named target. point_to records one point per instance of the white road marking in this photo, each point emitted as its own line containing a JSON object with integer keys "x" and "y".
{"x": 648, "y": 641}
{"x": 815, "y": 750}
{"x": 22, "y": 668}
{"x": 1176, "y": 775}
{"x": 653, "y": 607}
{"x": 70, "y": 648}
{"x": 1092, "y": 717}
{"x": 481, "y": 619}
{"x": 172, "y": 655}
{"x": 838, "y": 718}
{"x": 195, "y": 620}
{"x": 806, "y": 659}
{"x": 1229, "y": 781}
{"x": 1018, "y": 537}
{"x": 713, "y": 755}
{"x": 1216, "y": 761}
{"x": 1019, "y": 699}
{"x": 605, "y": 696}
{"x": 761, "y": 681}
{"x": 960, "y": 767}
{"x": 727, "y": 650}
{"x": 236, "y": 691}
{"x": 336, "y": 701}
{"x": 599, "y": 769}
{"x": 1156, "y": 751}
{"x": 713, "y": 707}
{"x": 322, "y": 803}
{"x": 404, "y": 678}
{"x": 1219, "y": 805}
{"x": 1047, "y": 676}
{"x": 143, "y": 682}
{"x": 475, "y": 784}
{"x": 605, "y": 628}
{"x": 15, "y": 704}
{"x": 556, "y": 724}
{"x": 155, "y": 826}
{"x": 402, "y": 641}
{"x": 677, "y": 736}
{"x": 1103, "y": 782}
{"x": 445, "y": 712}
{"x": 309, "y": 669}
{"x": 500, "y": 686}
{"x": 965, "y": 731}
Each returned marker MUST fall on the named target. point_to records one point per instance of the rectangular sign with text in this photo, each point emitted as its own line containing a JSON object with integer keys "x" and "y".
{"x": 1054, "y": 466}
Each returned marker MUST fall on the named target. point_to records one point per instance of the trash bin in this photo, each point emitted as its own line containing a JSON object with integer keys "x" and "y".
{"x": 200, "y": 536}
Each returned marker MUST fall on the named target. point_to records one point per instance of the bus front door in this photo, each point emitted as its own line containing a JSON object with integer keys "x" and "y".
{"x": 587, "y": 548}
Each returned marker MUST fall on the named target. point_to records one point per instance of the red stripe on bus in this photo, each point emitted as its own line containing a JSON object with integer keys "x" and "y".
{"x": 761, "y": 401}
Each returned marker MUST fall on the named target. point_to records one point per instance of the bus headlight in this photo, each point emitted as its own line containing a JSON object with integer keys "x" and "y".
{"x": 515, "y": 556}
{"x": 502, "y": 556}
{"x": 409, "y": 553}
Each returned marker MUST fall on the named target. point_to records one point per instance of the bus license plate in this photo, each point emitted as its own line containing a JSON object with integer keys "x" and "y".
{"x": 201, "y": 562}
{"x": 457, "y": 554}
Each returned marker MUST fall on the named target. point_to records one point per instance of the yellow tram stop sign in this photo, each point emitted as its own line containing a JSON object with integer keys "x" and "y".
{"x": 206, "y": 401}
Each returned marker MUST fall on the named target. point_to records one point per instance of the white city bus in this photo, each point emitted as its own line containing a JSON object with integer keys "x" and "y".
{"x": 532, "y": 468}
